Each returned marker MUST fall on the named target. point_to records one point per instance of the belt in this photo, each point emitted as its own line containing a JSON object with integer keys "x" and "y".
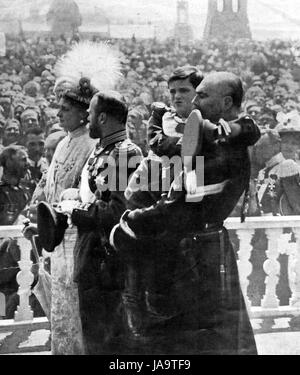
{"x": 207, "y": 229}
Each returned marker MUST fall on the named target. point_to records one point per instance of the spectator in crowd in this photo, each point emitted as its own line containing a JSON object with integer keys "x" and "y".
{"x": 14, "y": 197}
{"x": 38, "y": 164}
{"x": 278, "y": 189}
{"x": 289, "y": 130}
{"x": 29, "y": 119}
{"x": 32, "y": 89}
{"x": 18, "y": 110}
{"x": 11, "y": 132}
{"x": 137, "y": 129}
{"x": 50, "y": 118}
{"x": 6, "y": 104}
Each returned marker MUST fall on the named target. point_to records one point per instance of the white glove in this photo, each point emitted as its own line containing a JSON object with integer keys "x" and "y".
{"x": 69, "y": 194}
{"x": 191, "y": 182}
{"x": 67, "y": 206}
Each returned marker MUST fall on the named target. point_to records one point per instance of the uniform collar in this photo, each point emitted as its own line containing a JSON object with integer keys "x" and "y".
{"x": 118, "y": 136}
{"x": 275, "y": 160}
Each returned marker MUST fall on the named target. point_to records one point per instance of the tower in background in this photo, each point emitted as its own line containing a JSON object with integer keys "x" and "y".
{"x": 183, "y": 32}
{"x": 227, "y": 19}
{"x": 64, "y": 17}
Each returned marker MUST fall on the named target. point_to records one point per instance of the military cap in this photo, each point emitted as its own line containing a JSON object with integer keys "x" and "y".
{"x": 51, "y": 226}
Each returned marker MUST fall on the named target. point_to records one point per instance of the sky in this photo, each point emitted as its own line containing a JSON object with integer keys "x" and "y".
{"x": 283, "y": 19}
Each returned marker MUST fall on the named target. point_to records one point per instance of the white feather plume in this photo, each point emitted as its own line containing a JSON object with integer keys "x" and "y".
{"x": 96, "y": 61}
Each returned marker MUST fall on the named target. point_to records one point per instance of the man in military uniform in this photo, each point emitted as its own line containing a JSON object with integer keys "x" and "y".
{"x": 13, "y": 195}
{"x": 99, "y": 275}
{"x": 278, "y": 183}
{"x": 187, "y": 296}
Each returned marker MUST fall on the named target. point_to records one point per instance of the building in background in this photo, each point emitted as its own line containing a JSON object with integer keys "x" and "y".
{"x": 64, "y": 17}
{"x": 183, "y": 32}
{"x": 227, "y": 19}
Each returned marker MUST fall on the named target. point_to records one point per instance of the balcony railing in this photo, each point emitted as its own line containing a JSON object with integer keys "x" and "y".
{"x": 282, "y": 237}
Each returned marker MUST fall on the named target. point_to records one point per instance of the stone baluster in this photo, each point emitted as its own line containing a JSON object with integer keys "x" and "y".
{"x": 295, "y": 299}
{"x": 25, "y": 279}
{"x": 244, "y": 265}
{"x": 272, "y": 268}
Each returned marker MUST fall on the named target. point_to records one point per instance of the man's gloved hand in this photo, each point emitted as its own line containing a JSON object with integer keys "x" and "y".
{"x": 159, "y": 108}
{"x": 70, "y": 194}
{"x": 67, "y": 206}
{"x": 29, "y": 229}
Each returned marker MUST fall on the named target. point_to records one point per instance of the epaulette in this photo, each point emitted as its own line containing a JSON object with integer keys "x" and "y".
{"x": 126, "y": 147}
{"x": 288, "y": 168}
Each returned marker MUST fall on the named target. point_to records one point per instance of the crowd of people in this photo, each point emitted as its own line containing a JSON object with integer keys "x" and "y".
{"x": 47, "y": 147}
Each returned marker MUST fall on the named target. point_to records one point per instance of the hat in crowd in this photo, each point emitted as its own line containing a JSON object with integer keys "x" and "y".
{"x": 17, "y": 87}
{"x": 271, "y": 79}
{"x": 31, "y": 88}
{"x": 288, "y": 122}
{"x": 254, "y": 109}
{"x": 20, "y": 104}
{"x": 254, "y": 92}
{"x": 5, "y": 99}
{"x": 250, "y": 103}
{"x": 87, "y": 68}
{"x": 12, "y": 121}
{"x": 256, "y": 80}
{"x": 29, "y": 113}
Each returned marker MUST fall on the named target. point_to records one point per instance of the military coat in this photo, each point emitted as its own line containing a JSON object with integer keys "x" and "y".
{"x": 99, "y": 275}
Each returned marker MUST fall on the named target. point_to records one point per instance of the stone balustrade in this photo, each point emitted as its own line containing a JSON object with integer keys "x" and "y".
{"x": 283, "y": 237}
{"x": 278, "y": 242}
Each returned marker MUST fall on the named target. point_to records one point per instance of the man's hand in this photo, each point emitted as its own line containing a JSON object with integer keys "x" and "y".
{"x": 67, "y": 206}
{"x": 29, "y": 229}
{"x": 70, "y": 194}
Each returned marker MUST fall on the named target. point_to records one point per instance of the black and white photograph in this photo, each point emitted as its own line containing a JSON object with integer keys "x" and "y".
{"x": 149, "y": 180}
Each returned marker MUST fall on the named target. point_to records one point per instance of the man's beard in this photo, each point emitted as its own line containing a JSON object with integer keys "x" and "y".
{"x": 35, "y": 156}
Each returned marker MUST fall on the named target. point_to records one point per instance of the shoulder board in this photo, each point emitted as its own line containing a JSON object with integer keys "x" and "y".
{"x": 288, "y": 168}
{"x": 125, "y": 147}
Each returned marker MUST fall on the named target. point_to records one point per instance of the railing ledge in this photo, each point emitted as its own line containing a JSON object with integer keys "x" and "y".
{"x": 263, "y": 222}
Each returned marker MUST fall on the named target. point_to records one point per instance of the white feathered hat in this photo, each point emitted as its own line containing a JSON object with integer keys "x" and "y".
{"x": 86, "y": 69}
